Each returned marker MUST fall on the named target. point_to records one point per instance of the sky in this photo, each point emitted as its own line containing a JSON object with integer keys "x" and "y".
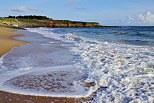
{"x": 106, "y": 12}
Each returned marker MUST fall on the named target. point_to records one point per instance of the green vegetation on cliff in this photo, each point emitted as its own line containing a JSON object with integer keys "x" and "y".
{"x": 29, "y": 17}
{"x": 43, "y": 21}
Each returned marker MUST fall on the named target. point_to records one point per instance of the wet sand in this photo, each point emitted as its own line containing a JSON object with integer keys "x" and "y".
{"x": 6, "y": 97}
{"x": 6, "y": 40}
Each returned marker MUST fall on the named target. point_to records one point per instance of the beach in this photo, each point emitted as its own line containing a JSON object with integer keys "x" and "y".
{"x": 76, "y": 51}
{"x": 9, "y": 41}
{"x": 6, "y": 40}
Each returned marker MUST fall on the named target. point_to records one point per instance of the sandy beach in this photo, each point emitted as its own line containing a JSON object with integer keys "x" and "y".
{"x": 6, "y": 40}
{"x": 6, "y": 44}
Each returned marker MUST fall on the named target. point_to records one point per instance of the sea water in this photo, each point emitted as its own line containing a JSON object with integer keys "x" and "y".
{"x": 110, "y": 65}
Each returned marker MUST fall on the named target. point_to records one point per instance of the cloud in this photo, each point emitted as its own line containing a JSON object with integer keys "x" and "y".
{"x": 72, "y": 2}
{"x": 23, "y": 9}
{"x": 147, "y": 18}
{"x": 142, "y": 19}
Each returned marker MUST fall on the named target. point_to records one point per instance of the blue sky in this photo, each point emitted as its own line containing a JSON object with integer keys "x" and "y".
{"x": 106, "y": 12}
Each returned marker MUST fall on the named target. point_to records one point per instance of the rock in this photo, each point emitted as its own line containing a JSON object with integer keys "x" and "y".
{"x": 89, "y": 84}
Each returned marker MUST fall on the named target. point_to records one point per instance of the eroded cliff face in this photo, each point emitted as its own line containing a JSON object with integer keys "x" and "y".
{"x": 46, "y": 23}
{"x": 56, "y": 24}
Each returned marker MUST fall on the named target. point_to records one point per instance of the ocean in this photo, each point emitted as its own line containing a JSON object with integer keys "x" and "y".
{"x": 109, "y": 65}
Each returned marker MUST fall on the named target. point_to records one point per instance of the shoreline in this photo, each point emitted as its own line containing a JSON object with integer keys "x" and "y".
{"x": 9, "y": 97}
{"x": 7, "y": 42}
{"x": 51, "y": 74}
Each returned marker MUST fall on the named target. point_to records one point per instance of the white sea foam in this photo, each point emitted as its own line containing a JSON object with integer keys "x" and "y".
{"x": 46, "y": 32}
{"x": 1, "y": 60}
{"x": 124, "y": 73}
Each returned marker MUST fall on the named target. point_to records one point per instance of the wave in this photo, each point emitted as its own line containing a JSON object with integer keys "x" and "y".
{"x": 122, "y": 72}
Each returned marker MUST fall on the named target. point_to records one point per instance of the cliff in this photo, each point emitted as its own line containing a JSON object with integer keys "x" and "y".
{"x": 22, "y": 22}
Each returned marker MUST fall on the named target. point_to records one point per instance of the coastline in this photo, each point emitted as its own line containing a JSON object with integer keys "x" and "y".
{"x": 6, "y": 40}
{"x": 6, "y": 36}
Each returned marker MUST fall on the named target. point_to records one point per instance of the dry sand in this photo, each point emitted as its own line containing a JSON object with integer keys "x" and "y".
{"x": 6, "y": 40}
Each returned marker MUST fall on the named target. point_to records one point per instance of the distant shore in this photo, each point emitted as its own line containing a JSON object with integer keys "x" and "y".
{"x": 42, "y": 21}
{"x": 6, "y": 40}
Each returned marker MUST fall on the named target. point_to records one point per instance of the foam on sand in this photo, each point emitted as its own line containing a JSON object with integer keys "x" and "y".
{"x": 53, "y": 82}
{"x": 120, "y": 72}
{"x": 42, "y": 70}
